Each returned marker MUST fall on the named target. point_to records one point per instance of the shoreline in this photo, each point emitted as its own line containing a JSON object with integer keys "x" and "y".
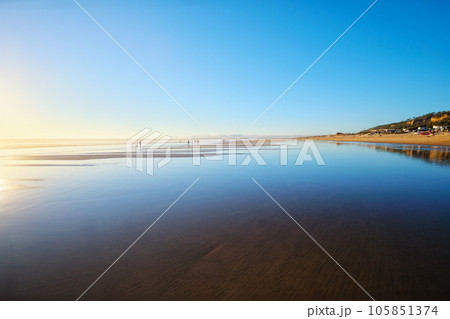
{"x": 407, "y": 138}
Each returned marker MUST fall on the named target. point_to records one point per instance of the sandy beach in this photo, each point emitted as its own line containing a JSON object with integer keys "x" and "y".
{"x": 442, "y": 139}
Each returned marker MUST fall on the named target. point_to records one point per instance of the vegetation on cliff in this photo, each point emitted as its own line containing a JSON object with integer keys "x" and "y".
{"x": 427, "y": 120}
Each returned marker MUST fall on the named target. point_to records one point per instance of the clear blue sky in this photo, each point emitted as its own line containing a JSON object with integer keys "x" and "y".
{"x": 224, "y": 61}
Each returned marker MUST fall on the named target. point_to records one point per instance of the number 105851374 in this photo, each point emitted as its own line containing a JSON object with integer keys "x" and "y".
{"x": 402, "y": 310}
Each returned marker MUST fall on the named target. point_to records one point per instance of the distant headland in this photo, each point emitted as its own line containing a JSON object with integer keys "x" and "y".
{"x": 429, "y": 129}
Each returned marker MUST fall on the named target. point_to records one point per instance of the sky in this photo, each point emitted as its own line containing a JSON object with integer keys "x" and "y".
{"x": 225, "y": 62}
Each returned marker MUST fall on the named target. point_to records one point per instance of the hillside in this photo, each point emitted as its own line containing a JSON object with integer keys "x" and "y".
{"x": 427, "y": 120}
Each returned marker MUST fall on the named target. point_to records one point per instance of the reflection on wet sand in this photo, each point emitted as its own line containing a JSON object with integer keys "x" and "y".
{"x": 439, "y": 155}
{"x": 226, "y": 240}
{"x": 7, "y": 184}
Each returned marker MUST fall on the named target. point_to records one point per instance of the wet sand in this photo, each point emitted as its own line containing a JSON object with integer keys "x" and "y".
{"x": 242, "y": 251}
{"x": 83, "y": 157}
{"x": 224, "y": 241}
{"x": 238, "y": 248}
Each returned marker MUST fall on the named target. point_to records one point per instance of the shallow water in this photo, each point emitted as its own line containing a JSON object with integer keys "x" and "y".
{"x": 381, "y": 211}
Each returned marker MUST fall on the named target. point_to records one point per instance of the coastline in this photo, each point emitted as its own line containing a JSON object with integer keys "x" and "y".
{"x": 442, "y": 139}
